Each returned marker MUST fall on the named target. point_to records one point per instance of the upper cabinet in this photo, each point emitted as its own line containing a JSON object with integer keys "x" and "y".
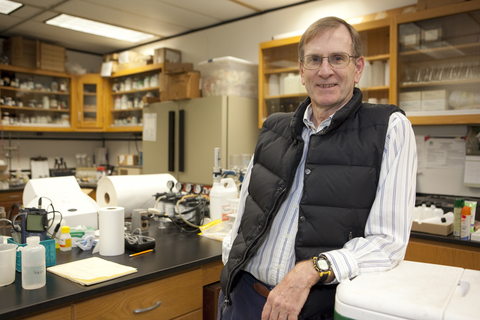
{"x": 439, "y": 65}
{"x": 128, "y": 91}
{"x": 90, "y": 102}
{"x": 35, "y": 100}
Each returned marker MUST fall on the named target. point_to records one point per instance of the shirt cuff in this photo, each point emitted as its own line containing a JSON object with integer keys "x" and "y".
{"x": 343, "y": 264}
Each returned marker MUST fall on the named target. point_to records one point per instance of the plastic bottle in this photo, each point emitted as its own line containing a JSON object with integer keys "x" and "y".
{"x": 457, "y": 216}
{"x": 466, "y": 223}
{"x": 65, "y": 240}
{"x": 221, "y": 192}
{"x": 33, "y": 264}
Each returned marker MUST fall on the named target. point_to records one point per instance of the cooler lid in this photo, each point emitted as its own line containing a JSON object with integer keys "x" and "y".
{"x": 412, "y": 290}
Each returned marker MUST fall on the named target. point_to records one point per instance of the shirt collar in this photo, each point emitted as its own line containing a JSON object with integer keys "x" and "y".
{"x": 308, "y": 115}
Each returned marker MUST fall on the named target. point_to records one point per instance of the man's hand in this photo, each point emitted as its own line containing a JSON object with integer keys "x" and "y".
{"x": 287, "y": 299}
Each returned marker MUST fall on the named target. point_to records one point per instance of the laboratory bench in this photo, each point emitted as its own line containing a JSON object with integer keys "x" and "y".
{"x": 175, "y": 274}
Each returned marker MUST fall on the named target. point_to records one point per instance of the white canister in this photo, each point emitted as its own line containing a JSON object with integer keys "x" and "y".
{"x": 291, "y": 84}
{"x": 273, "y": 85}
{"x": 221, "y": 192}
{"x": 46, "y": 102}
{"x": 34, "y": 270}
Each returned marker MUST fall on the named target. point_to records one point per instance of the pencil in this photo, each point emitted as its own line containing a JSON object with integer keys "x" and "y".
{"x": 139, "y": 253}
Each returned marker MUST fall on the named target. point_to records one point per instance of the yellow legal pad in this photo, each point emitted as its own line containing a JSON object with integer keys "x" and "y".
{"x": 91, "y": 271}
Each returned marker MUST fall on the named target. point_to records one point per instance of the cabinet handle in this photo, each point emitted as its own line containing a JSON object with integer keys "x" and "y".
{"x": 181, "y": 142}
{"x": 149, "y": 308}
{"x": 171, "y": 141}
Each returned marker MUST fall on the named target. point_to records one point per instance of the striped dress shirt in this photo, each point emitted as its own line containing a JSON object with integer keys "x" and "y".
{"x": 387, "y": 230}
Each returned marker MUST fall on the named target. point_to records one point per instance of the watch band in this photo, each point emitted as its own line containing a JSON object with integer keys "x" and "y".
{"x": 323, "y": 273}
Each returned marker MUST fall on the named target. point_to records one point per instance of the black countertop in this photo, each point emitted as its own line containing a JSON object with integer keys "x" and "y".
{"x": 174, "y": 251}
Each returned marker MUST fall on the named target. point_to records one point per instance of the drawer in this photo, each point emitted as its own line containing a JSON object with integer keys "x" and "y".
{"x": 11, "y": 196}
{"x": 64, "y": 313}
{"x": 178, "y": 295}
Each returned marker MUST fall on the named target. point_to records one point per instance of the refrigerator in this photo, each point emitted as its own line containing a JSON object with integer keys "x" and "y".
{"x": 179, "y": 137}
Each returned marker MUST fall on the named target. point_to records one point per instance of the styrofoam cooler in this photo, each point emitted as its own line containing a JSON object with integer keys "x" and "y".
{"x": 412, "y": 290}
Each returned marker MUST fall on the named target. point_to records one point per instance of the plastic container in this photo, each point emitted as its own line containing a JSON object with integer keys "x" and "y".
{"x": 229, "y": 76}
{"x": 457, "y": 219}
{"x": 50, "y": 254}
{"x": 7, "y": 263}
{"x": 33, "y": 264}
{"x": 65, "y": 239}
{"x": 222, "y": 191}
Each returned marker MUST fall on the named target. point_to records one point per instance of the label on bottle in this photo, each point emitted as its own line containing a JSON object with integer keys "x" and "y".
{"x": 65, "y": 243}
{"x": 465, "y": 229}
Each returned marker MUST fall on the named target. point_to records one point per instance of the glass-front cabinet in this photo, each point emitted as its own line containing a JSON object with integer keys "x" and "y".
{"x": 35, "y": 100}
{"x": 439, "y": 68}
{"x": 90, "y": 114}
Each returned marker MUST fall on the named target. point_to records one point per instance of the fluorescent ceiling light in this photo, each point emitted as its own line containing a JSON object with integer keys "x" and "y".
{"x": 98, "y": 28}
{"x": 6, "y": 7}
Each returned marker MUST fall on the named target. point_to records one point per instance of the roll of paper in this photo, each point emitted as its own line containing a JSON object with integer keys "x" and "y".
{"x": 111, "y": 221}
{"x": 132, "y": 192}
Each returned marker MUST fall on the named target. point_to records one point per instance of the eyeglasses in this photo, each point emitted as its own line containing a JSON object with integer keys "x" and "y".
{"x": 336, "y": 60}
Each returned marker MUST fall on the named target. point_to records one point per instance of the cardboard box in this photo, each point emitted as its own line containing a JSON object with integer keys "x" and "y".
{"x": 410, "y": 101}
{"x": 170, "y": 67}
{"x": 127, "y": 159}
{"x": 21, "y": 52}
{"x": 429, "y": 4}
{"x": 110, "y": 57}
{"x": 178, "y": 86}
{"x": 162, "y": 55}
{"x": 51, "y": 57}
{"x": 125, "y": 171}
{"x": 434, "y": 100}
{"x": 441, "y": 229}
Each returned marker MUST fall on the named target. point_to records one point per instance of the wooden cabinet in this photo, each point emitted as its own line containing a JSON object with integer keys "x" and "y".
{"x": 89, "y": 101}
{"x": 8, "y": 198}
{"x": 412, "y": 45}
{"x": 35, "y": 100}
{"x": 128, "y": 91}
{"x": 175, "y": 296}
{"x": 439, "y": 64}
{"x": 447, "y": 254}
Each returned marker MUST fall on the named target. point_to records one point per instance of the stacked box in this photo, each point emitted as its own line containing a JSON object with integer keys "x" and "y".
{"x": 178, "y": 86}
{"x": 434, "y": 100}
{"x": 127, "y": 159}
{"x": 51, "y": 57}
{"x": 21, "y": 52}
{"x": 410, "y": 101}
{"x": 162, "y": 55}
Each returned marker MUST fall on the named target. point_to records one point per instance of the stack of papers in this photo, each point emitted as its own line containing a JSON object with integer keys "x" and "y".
{"x": 91, "y": 271}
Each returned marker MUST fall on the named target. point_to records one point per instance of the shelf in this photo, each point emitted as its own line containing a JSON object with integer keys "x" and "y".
{"x": 89, "y": 93}
{"x": 447, "y": 117}
{"x": 443, "y": 52}
{"x": 39, "y": 72}
{"x": 127, "y": 110}
{"x": 282, "y": 70}
{"x": 34, "y": 109}
{"x": 135, "y": 91}
{"x": 34, "y": 91}
{"x": 147, "y": 68}
{"x": 440, "y": 83}
{"x": 378, "y": 57}
{"x": 379, "y": 88}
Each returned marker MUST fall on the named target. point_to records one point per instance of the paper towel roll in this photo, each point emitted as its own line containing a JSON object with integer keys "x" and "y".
{"x": 111, "y": 221}
{"x": 131, "y": 192}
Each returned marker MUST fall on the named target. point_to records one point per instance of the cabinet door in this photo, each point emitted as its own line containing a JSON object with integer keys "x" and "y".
{"x": 204, "y": 128}
{"x": 90, "y": 102}
{"x": 159, "y": 141}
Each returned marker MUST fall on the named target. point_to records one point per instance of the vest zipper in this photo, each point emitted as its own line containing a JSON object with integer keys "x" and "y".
{"x": 350, "y": 235}
{"x": 237, "y": 268}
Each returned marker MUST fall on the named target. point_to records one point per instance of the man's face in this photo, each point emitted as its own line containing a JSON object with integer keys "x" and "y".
{"x": 330, "y": 88}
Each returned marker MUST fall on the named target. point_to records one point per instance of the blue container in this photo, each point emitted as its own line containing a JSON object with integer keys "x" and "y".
{"x": 50, "y": 254}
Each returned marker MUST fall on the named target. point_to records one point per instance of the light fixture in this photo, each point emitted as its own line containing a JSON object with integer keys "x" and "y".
{"x": 7, "y": 7}
{"x": 98, "y": 28}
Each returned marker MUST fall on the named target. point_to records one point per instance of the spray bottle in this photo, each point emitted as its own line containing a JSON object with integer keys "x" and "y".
{"x": 222, "y": 191}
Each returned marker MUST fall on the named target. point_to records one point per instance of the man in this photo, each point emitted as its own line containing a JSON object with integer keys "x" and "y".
{"x": 328, "y": 195}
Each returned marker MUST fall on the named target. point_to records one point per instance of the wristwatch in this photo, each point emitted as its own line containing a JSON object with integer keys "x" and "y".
{"x": 323, "y": 267}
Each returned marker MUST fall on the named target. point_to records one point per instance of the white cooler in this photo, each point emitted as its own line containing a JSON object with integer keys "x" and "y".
{"x": 412, "y": 290}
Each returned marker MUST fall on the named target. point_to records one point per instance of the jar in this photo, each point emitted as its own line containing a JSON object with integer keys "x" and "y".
{"x": 135, "y": 84}
{"x": 146, "y": 82}
{"x": 65, "y": 239}
{"x": 128, "y": 84}
{"x": 6, "y": 118}
{"x": 53, "y": 103}
{"x": 30, "y": 84}
{"x": 54, "y": 86}
{"x": 46, "y": 102}
{"x": 63, "y": 86}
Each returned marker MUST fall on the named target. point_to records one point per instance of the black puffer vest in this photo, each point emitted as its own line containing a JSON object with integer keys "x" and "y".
{"x": 341, "y": 175}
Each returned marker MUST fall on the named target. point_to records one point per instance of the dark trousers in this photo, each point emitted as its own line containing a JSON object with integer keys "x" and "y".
{"x": 246, "y": 302}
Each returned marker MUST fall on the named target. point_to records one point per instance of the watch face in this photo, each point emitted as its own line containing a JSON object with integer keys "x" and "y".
{"x": 170, "y": 184}
{"x": 322, "y": 264}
